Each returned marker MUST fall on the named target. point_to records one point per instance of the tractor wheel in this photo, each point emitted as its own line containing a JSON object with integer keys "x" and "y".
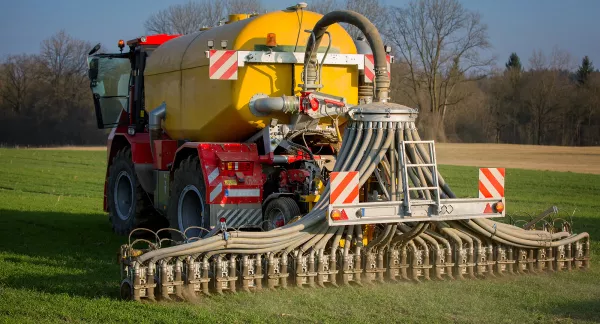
{"x": 128, "y": 204}
{"x": 279, "y": 212}
{"x": 187, "y": 203}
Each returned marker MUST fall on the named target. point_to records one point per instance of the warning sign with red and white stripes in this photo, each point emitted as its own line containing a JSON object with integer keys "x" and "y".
{"x": 215, "y": 187}
{"x": 344, "y": 187}
{"x": 223, "y": 65}
{"x": 491, "y": 182}
{"x": 370, "y": 67}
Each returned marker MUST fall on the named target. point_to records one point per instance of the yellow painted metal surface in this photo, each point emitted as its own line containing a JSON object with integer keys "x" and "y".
{"x": 237, "y": 17}
{"x": 200, "y": 109}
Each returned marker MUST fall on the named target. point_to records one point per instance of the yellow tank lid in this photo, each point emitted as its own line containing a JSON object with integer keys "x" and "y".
{"x": 237, "y": 17}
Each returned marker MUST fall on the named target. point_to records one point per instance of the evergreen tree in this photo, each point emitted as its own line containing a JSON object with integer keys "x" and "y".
{"x": 514, "y": 69}
{"x": 514, "y": 63}
{"x": 585, "y": 69}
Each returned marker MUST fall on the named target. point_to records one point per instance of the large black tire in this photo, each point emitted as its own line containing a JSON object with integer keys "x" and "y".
{"x": 187, "y": 203}
{"x": 128, "y": 204}
{"x": 279, "y": 212}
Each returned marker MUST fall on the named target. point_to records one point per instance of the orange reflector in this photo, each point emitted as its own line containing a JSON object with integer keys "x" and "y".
{"x": 271, "y": 40}
{"x": 499, "y": 207}
{"x": 335, "y": 214}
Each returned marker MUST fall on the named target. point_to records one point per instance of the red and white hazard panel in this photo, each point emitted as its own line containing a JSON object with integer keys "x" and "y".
{"x": 344, "y": 188}
{"x": 491, "y": 182}
{"x": 215, "y": 187}
{"x": 491, "y": 185}
{"x": 370, "y": 67}
{"x": 223, "y": 65}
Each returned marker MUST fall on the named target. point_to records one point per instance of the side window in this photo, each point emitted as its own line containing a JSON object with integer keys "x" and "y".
{"x": 109, "y": 81}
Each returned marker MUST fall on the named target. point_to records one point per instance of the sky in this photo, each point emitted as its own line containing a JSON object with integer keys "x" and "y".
{"x": 520, "y": 26}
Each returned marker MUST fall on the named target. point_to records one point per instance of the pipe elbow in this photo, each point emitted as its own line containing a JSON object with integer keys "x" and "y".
{"x": 262, "y": 105}
{"x": 156, "y": 116}
{"x": 372, "y": 36}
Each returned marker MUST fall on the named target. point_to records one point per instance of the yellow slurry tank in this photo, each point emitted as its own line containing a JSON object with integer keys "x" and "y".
{"x": 201, "y": 109}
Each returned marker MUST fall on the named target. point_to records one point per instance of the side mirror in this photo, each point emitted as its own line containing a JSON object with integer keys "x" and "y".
{"x": 93, "y": 70}
{"x": 95, "y": 49}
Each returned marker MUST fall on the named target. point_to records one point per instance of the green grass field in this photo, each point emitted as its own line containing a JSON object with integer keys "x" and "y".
{"x": 58, "y": 259}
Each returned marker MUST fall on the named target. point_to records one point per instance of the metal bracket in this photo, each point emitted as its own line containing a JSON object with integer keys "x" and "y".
{"x": 298, "y": 58}
{"x": 422, "y": 211}
{"x": 544, "y": 214}
{"x": 382, "y": 112}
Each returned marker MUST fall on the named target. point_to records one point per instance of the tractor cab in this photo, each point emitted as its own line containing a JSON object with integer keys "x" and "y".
{"x": 117, "y": 82}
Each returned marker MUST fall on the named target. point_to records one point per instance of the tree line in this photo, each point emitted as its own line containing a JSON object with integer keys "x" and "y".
{"x": 443, "y": 67}
{"x": 45, "y": 98}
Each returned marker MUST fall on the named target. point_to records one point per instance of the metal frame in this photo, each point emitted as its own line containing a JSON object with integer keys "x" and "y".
{"x": 405, "y": 181}
{"x": 297, "y": 58}
{"x": 414, "y": 210}
{"x": 383, "y": 112}
{"x": 423, "y": 211}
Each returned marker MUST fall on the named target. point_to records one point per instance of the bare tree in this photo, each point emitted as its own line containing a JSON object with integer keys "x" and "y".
{"x": 16, "y": 80}
{"x": 561, "y": 60}
{"x": 582, "y": 109}
{"x": 324, "y": 6}
{"x": 63, "y": 70}
{"x": 186, "y": 18}
{"x": 546, "y": 90}
{"x": 48, "y": 92}
{"x": 537, "y": 61}
{"x": 191, "y": 16}
{"x": 496, "y": 103}
{"x": 64, "y": 57}
{"x": 590, "y": 111}
{"x": 243, "y": 6}
{"x": 441, "y": 41}
{"x": 160, "y": 23}
{"x": 374, "y": 10}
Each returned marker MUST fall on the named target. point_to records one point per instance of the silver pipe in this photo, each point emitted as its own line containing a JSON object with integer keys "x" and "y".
{"x": 154, "y": 126}
{"x": 156, "y": 116}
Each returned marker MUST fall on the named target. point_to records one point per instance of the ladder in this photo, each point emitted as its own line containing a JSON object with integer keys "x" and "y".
{"x": 408, "y": 203}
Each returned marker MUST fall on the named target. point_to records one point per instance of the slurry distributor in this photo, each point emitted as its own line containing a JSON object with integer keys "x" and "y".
{"x": 270, "y": 146}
